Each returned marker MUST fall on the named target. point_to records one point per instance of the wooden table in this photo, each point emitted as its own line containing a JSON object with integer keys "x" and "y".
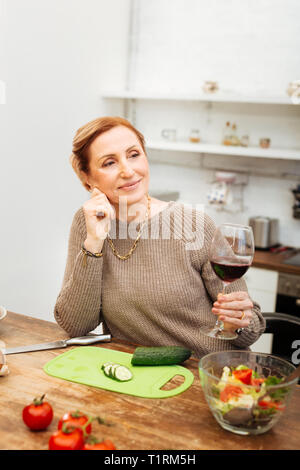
{"x": 183, "y": 422}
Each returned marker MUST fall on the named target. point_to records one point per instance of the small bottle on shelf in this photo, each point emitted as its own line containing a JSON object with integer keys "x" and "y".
{"x": 227, "y": 134}
{"x": 234, "y": 138}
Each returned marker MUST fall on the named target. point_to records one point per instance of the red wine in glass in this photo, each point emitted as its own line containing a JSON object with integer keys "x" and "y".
{"x": 231, "y": 254}
{"x": 227, "y": 270}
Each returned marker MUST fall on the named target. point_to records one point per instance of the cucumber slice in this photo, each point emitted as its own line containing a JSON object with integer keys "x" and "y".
{"x": 117, "y": 372}
{"x": 122, "y": 374}
{"x": 107, "y": 370}
{"x": 112, "y": 370}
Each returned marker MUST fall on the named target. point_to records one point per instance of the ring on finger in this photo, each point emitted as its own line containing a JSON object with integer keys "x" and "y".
{"x": 243, "y": 315}
{"x": 100, "y": 214}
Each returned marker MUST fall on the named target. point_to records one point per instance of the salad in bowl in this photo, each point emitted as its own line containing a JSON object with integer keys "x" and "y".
{"x": 246, "y": 391}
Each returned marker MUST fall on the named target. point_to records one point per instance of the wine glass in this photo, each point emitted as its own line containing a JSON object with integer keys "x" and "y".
{"x": 231, "y": 254}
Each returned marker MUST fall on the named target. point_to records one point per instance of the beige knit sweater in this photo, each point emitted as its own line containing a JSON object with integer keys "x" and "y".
{"x": 162, "y": 295}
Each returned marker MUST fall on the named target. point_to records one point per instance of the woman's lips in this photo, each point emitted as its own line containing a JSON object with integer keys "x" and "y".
{"x": 131, "y": 187}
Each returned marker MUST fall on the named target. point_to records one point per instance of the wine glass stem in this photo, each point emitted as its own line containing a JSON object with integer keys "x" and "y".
{"x": 219, "y": 323}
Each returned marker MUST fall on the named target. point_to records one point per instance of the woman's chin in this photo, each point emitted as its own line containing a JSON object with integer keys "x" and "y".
{"x": 132, "y": 197}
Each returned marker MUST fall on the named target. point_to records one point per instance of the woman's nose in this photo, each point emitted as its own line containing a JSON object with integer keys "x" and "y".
{"x": 126, "y": 170}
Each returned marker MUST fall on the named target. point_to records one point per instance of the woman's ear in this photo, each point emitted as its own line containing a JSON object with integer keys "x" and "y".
{"x": 81, "y": 174}
{"x": 84, "y": 180}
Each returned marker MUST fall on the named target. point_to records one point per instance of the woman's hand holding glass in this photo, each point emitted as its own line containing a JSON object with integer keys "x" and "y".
{"x": 98, "y": 213}
{"x": 234, "y": 310}
{"x": 231, "y": 254}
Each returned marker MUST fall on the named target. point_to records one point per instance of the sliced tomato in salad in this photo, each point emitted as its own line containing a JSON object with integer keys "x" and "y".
{"x": 243, "y": 375}
{"x": 268, "y": 404}
{"x": 230, "y": 391}
{"x": 257, "y": 382}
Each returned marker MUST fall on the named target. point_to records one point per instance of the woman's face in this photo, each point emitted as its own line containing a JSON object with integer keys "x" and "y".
{"x": 117, "y": 158}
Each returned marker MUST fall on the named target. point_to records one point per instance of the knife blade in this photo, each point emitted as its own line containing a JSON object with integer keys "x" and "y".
{"x": 82, "y": 340}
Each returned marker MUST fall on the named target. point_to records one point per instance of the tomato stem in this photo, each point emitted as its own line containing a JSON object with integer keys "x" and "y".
{"x": 102, "y": 421}
{"x": 84, "y": 426}
{"x": 67, "y": 428}
{"x": 76, "y": 414}
{"x": 93, "y": 440}
{"x": 39, "y": 401}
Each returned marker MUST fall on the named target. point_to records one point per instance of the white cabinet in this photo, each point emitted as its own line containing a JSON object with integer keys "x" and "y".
{"x": 266, "y": 300}
{"x": 262, "y": 287}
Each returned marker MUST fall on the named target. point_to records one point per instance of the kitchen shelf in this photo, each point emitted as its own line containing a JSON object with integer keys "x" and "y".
{"x": 220, "y": 96}
{"x": 283, "y": 154}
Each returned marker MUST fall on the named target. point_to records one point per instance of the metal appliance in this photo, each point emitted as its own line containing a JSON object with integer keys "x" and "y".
{"x": 288, "y": 294}
{"x": 293, "y": 260}
{"x": 265, "y": 232}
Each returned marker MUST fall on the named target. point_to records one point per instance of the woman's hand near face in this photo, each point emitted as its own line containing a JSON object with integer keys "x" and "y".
{"x": 97, "y": 227}
{"x": 234, "y": 309}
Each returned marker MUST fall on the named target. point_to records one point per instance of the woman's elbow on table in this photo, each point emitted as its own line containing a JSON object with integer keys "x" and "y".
{"x": 72, "y": 329}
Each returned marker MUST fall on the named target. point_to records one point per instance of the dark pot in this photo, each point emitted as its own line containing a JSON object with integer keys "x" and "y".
{"x": 296, "y": 192}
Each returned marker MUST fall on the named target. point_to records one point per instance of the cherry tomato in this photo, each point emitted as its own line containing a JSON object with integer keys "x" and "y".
{"x": 94, "y": 444}
{"x": 38, "y": 415}
{"x": 66, "y": 438}
{"x": 109, "y": 445}
{"x": 75, "y": 419}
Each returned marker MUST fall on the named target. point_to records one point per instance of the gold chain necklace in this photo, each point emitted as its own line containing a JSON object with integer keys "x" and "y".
{"x": 124, "y": 257}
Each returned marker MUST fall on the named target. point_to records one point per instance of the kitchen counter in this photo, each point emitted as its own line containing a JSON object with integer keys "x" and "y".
{"x": 181, "y": 422}
{"x": 274, "y": 262}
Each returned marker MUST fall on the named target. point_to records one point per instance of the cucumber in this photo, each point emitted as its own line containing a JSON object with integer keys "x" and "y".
{"x": 160, "y": 355}
{"x": 116, "y": 371}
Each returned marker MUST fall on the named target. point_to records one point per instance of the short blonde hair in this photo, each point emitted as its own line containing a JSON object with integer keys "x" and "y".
{"x": 86, "y": 134}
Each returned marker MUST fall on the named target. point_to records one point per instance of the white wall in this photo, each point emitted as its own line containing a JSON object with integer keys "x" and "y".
{"x": 247, "y": 46}
{"x": 58, "y": 54}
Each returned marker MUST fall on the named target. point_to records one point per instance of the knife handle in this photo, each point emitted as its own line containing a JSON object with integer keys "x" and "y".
{"x": 83, "y": 340}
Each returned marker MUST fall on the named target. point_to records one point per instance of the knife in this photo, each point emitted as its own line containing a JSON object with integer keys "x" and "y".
{"x": 83, "y": 340}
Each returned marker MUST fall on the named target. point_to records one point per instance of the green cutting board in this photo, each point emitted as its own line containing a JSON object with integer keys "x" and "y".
{"x": 83, "y": 365}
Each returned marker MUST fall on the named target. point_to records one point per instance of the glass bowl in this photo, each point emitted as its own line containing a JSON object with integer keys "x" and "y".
{"x": 243, "y": 413}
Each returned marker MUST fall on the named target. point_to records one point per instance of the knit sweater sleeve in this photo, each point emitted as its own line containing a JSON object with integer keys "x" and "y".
{"x": 213, "y": 285}
{"x": 77, "y": 308}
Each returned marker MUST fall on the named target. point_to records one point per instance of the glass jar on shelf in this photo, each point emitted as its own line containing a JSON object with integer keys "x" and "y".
{"x": 244, "y": 141}
{"x": 194, "y": 136}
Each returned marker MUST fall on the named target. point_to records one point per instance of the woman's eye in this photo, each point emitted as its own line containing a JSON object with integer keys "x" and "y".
{"x": 108, "y": 163}
{"x": 111, "y": 162}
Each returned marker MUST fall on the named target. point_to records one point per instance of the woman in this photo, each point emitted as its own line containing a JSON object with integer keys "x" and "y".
{"x": 146, "y": 288}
